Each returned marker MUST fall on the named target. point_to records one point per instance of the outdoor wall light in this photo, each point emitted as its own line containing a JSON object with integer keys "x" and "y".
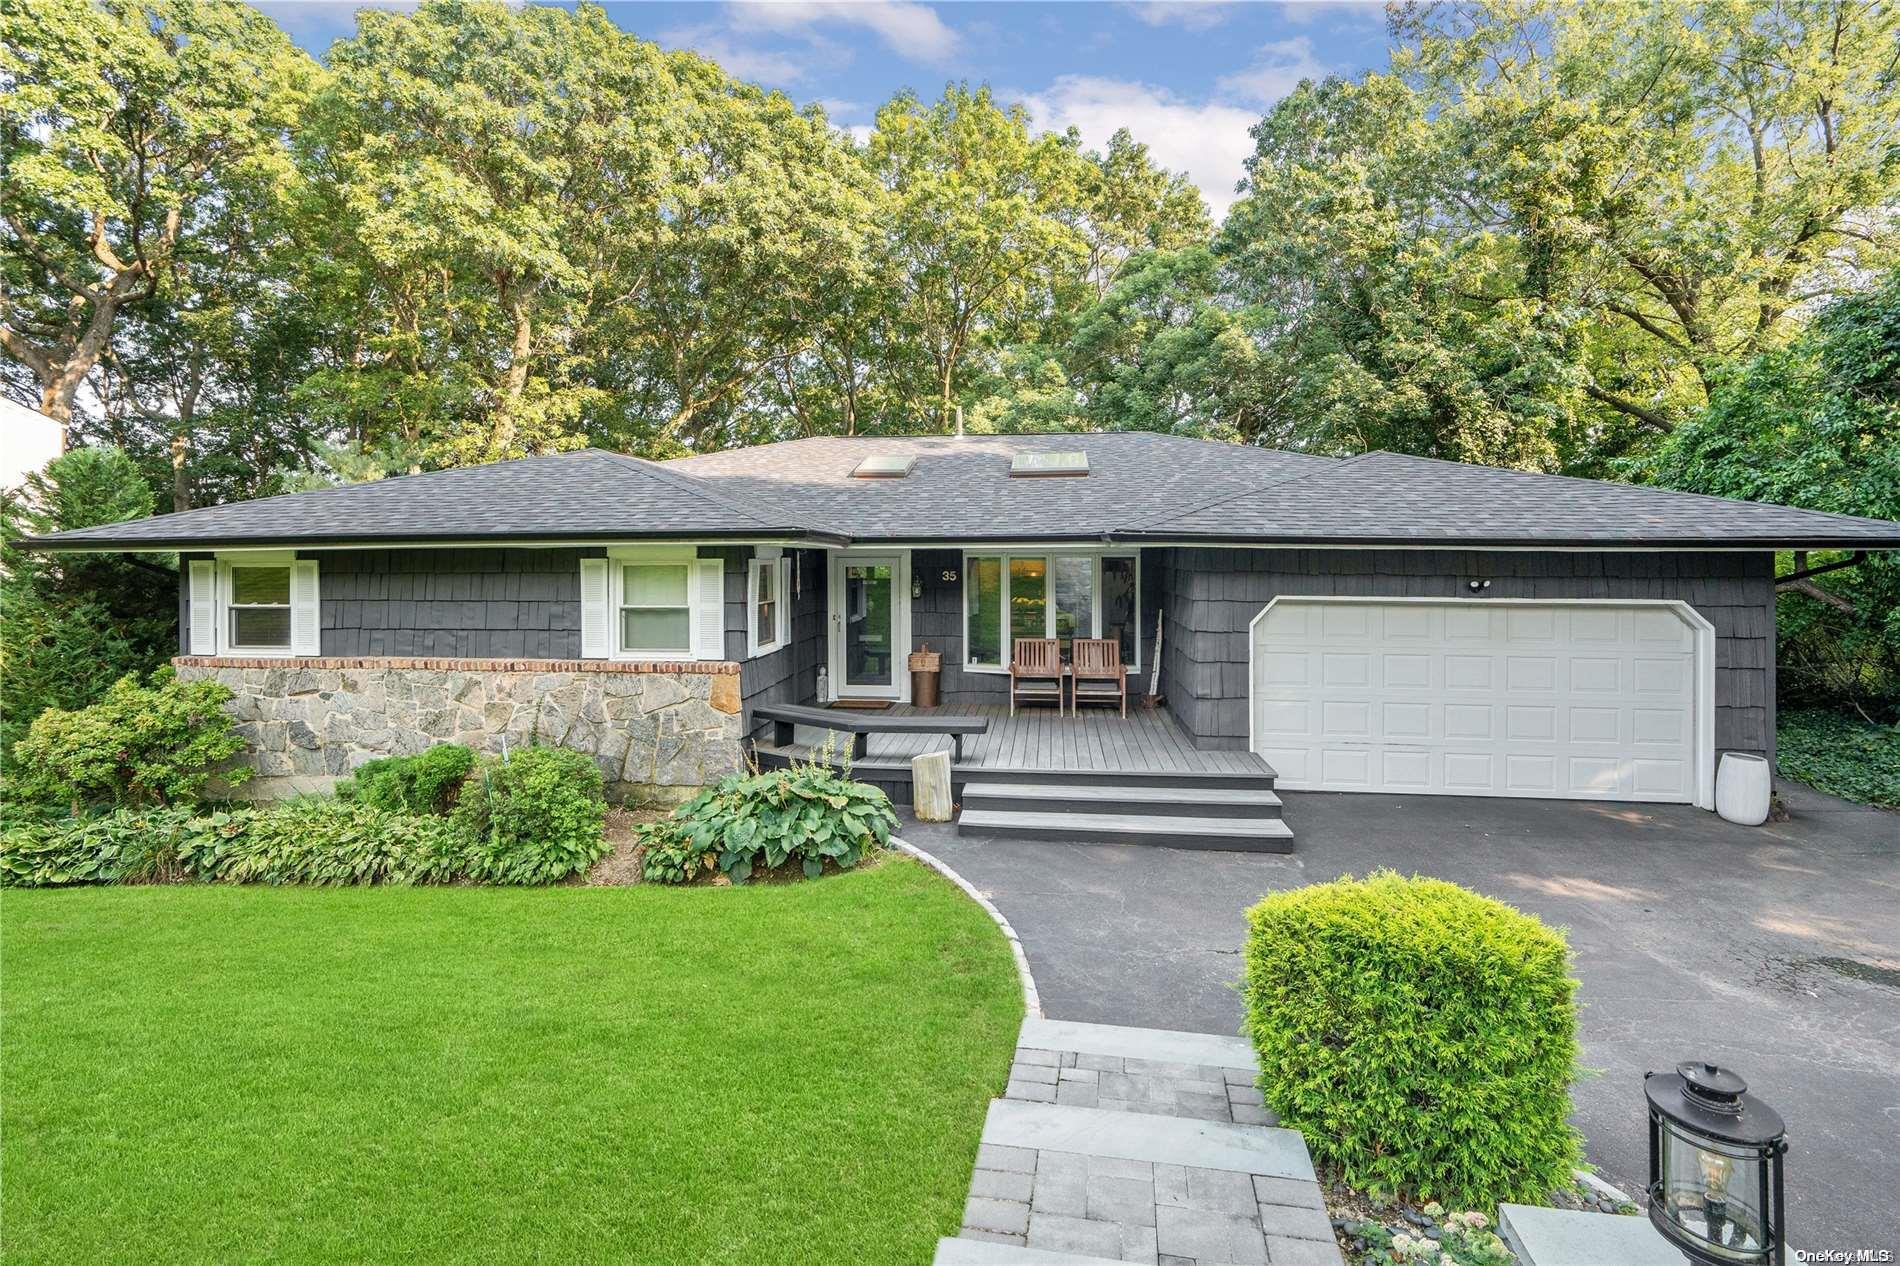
{"x": 1715, "y": 1154}
{"x": 916, "y": 586}
{"x": 1477, "y": 586}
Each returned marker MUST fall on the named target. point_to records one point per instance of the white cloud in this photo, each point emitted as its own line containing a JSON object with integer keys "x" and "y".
{"x": 1190, "y": 15}
{"x": 1277, "y": 70}
{"x": 774, "y": 67}
{"x": 909, "y": 29}
{"x": 1207, "y": 141}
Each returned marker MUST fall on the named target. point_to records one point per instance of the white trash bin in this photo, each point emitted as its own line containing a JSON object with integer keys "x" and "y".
{"x": 1742, "y": 788}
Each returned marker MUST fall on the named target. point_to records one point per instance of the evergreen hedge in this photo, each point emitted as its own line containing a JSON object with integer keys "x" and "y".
{"x": 1421, "y": 1037}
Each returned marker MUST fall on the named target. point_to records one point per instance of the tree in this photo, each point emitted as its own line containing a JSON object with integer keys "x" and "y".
{"x": 71, "y": 624}
{"x": 1127, "y": 205}
{"x": 1682, "y": 176}
{"x": 1382, "y": 321}
{"x": 1160, "y": 352}
{"x": 1817, "y": 424}
{"x": 980, "y": 251}
{"x": 128, "y": 131}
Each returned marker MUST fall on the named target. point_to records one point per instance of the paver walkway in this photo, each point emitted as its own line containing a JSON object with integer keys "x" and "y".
{"x": 1115, "y": 1144}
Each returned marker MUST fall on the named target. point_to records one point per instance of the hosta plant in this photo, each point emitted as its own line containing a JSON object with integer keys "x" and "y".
{"x": 810, "y": 814}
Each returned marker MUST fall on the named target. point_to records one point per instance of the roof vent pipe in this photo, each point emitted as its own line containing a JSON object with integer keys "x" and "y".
{"x": 959, "y": 421}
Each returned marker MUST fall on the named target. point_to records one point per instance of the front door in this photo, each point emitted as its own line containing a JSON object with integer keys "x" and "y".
{"x": 869, "y": 625}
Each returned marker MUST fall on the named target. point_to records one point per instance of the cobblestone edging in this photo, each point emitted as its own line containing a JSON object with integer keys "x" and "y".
{"x": 1032, "y": 1001}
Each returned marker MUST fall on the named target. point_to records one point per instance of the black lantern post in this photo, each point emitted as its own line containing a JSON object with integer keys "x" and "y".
{"x": 1715, "y": 1155}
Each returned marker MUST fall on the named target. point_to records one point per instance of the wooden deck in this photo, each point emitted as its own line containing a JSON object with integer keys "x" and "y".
{"x": 1098, "y": 740}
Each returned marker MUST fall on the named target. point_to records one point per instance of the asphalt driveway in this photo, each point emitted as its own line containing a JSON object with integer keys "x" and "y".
{"x": 1773, "y": 949}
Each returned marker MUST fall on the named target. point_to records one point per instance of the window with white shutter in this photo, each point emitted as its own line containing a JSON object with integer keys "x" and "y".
{"x": 709, "y": 609}
{"x": 596, "y": 633}
{"x": 201, "y": 602}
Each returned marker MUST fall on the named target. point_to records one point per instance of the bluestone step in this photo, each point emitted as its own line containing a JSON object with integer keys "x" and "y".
{"x": 1246, "y": 1149}
{"x": 989, "y": 1253}
{"x": 1214, "y": 1050}
{"x": 1240, "y": 835}
{"x": 1571, "y": 1237}
{"x": 1169, "y": 801}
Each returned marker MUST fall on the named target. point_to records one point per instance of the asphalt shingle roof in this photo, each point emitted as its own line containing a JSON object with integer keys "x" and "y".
{"x": 961, "y": 488}
{"x": 585, "y": 495}
{"x": 1140, "y": 486}
{"x": 1394, "y": 498}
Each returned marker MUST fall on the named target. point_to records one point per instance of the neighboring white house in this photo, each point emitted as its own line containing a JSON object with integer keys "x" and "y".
{"x": 28, "y": 440}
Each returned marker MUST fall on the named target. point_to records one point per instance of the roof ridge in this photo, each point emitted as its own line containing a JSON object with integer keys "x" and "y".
{"x": 1339, "y": 465}
{"x": 697, "y": 487}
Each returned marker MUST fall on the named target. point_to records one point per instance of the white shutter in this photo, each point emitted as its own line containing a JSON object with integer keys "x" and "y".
{"x": 201, "y": 634}
{"x": 784, "y": 601}
{"x": 709, "y": 609}
{"x": 596, "y": 619}
{"x": 305, "y": 615}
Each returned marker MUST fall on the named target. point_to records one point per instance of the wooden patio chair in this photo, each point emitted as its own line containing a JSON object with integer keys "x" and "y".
{"x": 1099, "y": 672}
{"x": 1035, "y": 672}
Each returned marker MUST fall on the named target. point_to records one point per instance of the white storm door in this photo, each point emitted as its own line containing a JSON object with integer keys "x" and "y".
{"x": 870, "y": 625}
{"x": 1555, "y": 700}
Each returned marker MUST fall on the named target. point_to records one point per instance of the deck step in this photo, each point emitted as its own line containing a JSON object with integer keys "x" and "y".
{"x": 1241, "y": 835}
{"x": 1165, "y": 800}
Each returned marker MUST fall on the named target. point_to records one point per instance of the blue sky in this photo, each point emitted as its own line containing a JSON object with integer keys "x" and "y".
{"x": 1186, "y": 76}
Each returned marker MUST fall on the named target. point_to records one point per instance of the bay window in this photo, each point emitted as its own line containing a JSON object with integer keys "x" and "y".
{"x": 1061, "y": 595}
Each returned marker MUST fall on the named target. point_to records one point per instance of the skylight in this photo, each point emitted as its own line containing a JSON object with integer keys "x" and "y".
{"x": 1043, "y": 465}
{"x": 885, "y": 466}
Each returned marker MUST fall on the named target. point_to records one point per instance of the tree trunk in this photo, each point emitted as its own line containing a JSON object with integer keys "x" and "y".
{"x": 181, "y": 486}
{"x": 513, "y": 382}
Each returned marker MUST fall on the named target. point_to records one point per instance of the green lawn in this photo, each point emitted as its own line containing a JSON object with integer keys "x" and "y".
{"x": 792, "y": 1073}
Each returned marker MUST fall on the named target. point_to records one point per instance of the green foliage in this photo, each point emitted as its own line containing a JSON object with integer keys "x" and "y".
{"x": 424, "y": 783}
{"x": 134, "y": 135}
{"x": 810, "y": 814}
{"x": 70, "y": 624}
{"x": 1420, "y": 1036}
{"x": 317, "y": 840}
{"x": 1816, "y": 424}
{"x": 124, "y": 846}
{"x": 140, "y": 744}
{"x": 1841, "y": 754}
{"x": 533, "y": 818}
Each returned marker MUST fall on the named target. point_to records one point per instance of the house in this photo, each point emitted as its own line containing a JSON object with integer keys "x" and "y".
{"x": 1381, "y": 623}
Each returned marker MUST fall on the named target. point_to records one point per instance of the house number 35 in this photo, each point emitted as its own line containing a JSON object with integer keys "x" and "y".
{"x": 949, "y": 574}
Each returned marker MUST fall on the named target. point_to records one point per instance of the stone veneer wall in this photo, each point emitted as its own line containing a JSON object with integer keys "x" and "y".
{"x": 658, "y": 731}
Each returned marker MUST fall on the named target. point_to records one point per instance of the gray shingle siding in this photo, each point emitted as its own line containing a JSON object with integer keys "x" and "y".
{"x": 474, "y": 603}
{"x": 465, "y": 603}
{"x": 1213, "y": 595}
{"x": 789, "y": 674}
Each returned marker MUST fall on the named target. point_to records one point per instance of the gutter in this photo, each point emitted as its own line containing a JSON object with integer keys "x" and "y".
{"x": 114, "y": 545}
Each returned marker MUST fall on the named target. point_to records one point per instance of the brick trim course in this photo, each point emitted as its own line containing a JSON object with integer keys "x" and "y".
{"x": 705, "y": 668}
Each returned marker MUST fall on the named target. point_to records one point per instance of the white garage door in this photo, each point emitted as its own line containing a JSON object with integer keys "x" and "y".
{"x": 1573, "y": 701}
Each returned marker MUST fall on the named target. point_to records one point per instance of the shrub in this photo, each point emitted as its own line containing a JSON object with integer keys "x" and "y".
{"x": 534, "y": 817}
{"x": 138, "y": 745}
{"x": 810, "y": 813}
{"x": 1420, "y": 1036}
{"x": 125, "y": 846}
{"x": 424, "y": 783}
{"x": 71, "y": 624}
{"x": 1842, "y": 755}
{"x": 318, "y": 840}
